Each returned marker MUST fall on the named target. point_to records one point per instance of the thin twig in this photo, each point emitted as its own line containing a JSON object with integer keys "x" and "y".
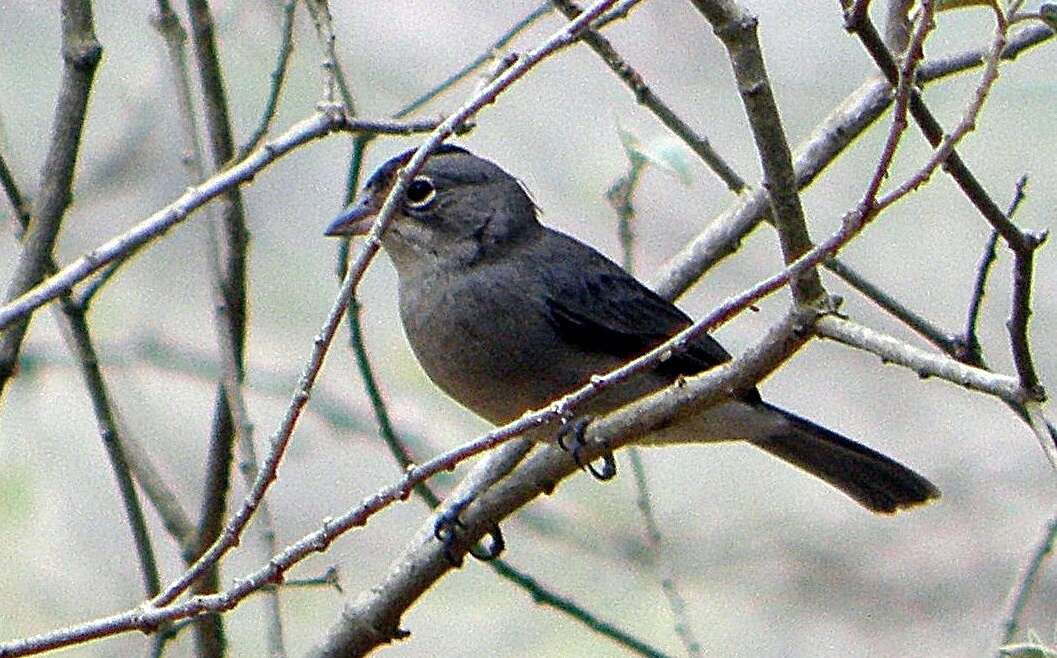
{"x": 381, "y": 415}
{"x": 314, "y": 127}
{"x": 646, "y": 97}
{"x": 907, "y": 74}
{"x": 1023, "y": 264}
{"x": 917, "y": 322}
{"x": 969, "y": 339}
{"x": 924, "y": 363}
{"x": 161, "y": 496}
{"x": 499, "y": 44}
{"x": 736, "y": 28}
{"x": 621, "y": 196}
{"x": 333, "y": 71}
{"x": 544, "y": 596}
{"x": 329, "y": 578}
{"x": 1026, "y": 581}
{"x": 278, "y": 76}
{"x": 1032, "y": 414}
{"x": 862, "y": 27}
{"x": 78, "y": 340}
{"x": 227, "y": 240}
{"x": 18, "y": 203}
{"x": 661, "y": 561}
{"x": 81, "y": 53}
{"x": 903, "y": 88}
{"x": 827, "y": 141}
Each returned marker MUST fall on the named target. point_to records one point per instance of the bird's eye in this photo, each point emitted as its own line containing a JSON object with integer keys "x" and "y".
{"x": 420, "y": 192}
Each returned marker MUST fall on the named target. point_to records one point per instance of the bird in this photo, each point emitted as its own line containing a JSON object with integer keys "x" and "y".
{"x": 506, "y": 315}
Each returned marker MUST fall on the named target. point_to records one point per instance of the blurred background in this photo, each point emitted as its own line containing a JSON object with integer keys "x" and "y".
{"x": 771, "y": 562}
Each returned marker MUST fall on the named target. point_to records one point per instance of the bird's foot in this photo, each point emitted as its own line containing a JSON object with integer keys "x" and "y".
{"x": 574, "y": 429}
{"x": 447, "y": 527}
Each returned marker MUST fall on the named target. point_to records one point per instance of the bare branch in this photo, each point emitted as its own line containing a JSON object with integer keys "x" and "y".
{"x": 75, "y": 329}
{"x": 18, "y": 203}
{"x": 1026, "y": 581}
{"x": 925, "y": 364}
{"x": 970, "y": 341}
{"x": 916, "y": 321}
{"x": 1023, "y": 264}
{"x": 646, "y": 97}
{"x": 903, "y": 88}
{"x": 952, "y": 161}
{"x": 737, "y": 30}
{"x": 544, "y": 596}
{"x": 278, "y": 76}
{"x": 620, "y": 195}
{"x": 81, "y": 53}
{"x": 333, "y": 71}
{"x": 228, "y": 236}
{"x": 374, "y": 618}
{"x": 829, "y": 139}
{"x": 305, "y": 131}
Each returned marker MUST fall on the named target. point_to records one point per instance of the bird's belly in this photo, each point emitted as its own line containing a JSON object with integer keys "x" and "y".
{"x": 498, "y": 377}
{"x": 498, "y": 360}
{"x": 500, "y": 356}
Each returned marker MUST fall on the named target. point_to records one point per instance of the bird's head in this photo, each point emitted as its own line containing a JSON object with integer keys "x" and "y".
{"x": 458, "y": 210}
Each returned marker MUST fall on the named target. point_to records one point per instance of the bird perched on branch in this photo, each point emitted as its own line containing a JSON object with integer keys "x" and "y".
{"x": 506, "y": 315}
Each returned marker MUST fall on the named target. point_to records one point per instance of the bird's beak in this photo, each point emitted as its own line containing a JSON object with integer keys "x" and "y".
{"x": 357, "y": 219}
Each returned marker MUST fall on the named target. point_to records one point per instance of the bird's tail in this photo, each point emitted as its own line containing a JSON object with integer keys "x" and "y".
{"x": 876, "y": 482}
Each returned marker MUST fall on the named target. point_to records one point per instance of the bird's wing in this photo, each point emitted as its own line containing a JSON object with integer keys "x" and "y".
{"x": 599, "y": 307}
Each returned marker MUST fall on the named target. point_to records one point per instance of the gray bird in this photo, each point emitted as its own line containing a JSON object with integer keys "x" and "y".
{"x": 506, "y": 315}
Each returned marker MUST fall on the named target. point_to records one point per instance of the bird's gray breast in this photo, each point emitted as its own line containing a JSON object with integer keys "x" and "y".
{"x": 483, "y": 335}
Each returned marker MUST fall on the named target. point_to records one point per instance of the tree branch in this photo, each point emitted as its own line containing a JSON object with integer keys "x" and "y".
{"x": 374, "y": 618}
{"x": 81, "y": 53}
{"x": 737, "y": 30}
{"x": 646, "y": 97}
{"x": 278, "y": 76}
{"x": 924, "y": 363}
{"x": 861, "y": 25}
{"x": 828, "y": 140}
{"x": 328, "y": 120}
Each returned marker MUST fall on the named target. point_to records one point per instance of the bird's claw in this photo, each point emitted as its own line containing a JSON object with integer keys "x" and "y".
{"x": 575, "y": 429}
{"x": 491, "y": 550}
{"x": 446, "y": 530}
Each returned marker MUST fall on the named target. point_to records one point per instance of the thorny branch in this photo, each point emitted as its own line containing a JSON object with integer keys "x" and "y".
{"x": 315, "y": 127}
{"x": 545, "y": 467}
{"x": 81, "y": 53}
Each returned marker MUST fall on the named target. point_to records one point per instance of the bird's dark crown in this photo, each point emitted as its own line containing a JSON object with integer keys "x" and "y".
{"x": 382, "y": 178}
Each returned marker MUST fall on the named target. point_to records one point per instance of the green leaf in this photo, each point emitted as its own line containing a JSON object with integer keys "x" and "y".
{"x": 665, "y": 152}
